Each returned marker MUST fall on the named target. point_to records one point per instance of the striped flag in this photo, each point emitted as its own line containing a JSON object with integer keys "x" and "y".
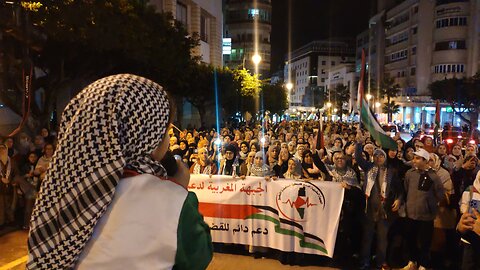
{"x": 368, "y": 119}
{"x": 437, "y": 121}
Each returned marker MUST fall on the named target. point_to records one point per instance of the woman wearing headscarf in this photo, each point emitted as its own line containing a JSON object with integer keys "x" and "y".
{"x": 94, "y": 209}
{"x": 230, "y": 165}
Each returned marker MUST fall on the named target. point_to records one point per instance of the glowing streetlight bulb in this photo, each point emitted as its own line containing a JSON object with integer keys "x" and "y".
{"x": 262, "y": 140}
{"x": 256, "y": 58}
{"x": 329, "y": 104}
{"x": 377, "y": 104}
{"x": 335, "y": 110}
{"x": 289, "y": 86}
{"x": 368, "y": 96}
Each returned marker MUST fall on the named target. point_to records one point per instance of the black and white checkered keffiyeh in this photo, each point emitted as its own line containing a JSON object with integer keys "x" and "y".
{"x": 114, "y": 123}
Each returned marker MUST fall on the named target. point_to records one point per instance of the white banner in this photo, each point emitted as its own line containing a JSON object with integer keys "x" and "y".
{"x": 287, "y": 215}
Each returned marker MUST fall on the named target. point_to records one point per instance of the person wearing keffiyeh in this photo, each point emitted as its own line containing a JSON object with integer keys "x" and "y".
{"x": 94, "y": 208}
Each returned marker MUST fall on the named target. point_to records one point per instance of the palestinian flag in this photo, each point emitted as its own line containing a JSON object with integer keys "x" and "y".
{"x": 269, "y": 214}
{"x": 368, "y": 119}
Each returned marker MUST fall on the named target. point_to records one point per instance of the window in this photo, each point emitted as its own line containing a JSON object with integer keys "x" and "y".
{"x": 450, "y": 45}
{"x": 414, "y": 50}
{"x": 415, "y": 9}
{"x": 397, "y": 38}
{"x": 322, "y": 80}
{"x": 324, "y": 63}
{"x": 182, "y": 14}
{"x": 333, "y": 63}
{"x": 452, "y": 21}
{"x": 414, "y": 30}
{"x": 203, "y": 28}
{"x": 253, "y": 13}
{"x": 449, "y": 68}
{"x": 397, "y": 56}
{"x": 413, "y": 70}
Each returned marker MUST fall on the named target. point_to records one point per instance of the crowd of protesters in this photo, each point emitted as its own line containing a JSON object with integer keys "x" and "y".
{"x": 23, "y": 164}
{"x": 410, "y": 207}
{"x": 401, "y": 206}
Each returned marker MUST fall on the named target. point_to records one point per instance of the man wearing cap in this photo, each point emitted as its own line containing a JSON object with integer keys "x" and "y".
{"x": 424, "y": 190}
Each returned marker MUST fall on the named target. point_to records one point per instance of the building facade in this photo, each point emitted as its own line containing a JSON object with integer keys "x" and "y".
{"x": 343, "y": 74}
{"x": 204, "y": 17}
{"x": 424, "y": 41}
{"x": 248, "y": 24}
{"x": 308, "y": 70}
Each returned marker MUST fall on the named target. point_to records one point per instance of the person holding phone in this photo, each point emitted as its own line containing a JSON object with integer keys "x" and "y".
{"x": 469, "y": 225}
{"x": 107, "y": 201}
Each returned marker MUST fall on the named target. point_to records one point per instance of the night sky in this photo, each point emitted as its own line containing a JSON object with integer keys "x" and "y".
{"x": 315, "y": 20}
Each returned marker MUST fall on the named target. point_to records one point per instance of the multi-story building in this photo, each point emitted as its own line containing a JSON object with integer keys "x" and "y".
{"x": 248, "y": 24}
{"x": 424, "y": 41}
{"x": 204, "y": 17}
{"x": 343, "y": 74}
{"x": 308, "y": 69}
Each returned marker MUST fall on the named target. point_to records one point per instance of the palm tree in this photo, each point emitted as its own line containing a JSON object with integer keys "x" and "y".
{"x": 389, "y": 89}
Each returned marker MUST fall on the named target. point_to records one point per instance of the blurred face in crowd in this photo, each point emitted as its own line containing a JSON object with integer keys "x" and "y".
{"x": 3, "y": 151}
{"x": 183, "y": 145}
{"x": 441, "y": 150}
{"x": 392, "y": 153}
{"x": 202, "y": 155}
{"x": 409, "y": 153}
{"x": 288, "y": 137}
{"x": 470, "y": 150}
{"x": 418, "y": 145}
{"x": 420, "y": 162}
{"x": 294, "y": 139}
{"x": 284, "y": 146}
{"x": 351, "y": 137}
{"x": 379, "y": 159}
{"x": 258, "y": 161}
{"x": 457, "y": 150}
{"x": 226, "y": 139}
{"x": 306, "y": 136}
{"x": 48, "y": 150}
{"x": 308, "y": 158}
{"x": 291, "y": 165}
{"x": 38, "y": 141}
{"x": 189, "y": 136}
{"x": 284, "y": 154}
{"x": 44, "y": 132}
{"x": 244, "y": 148}
{"x": 400, "y": 144}
{"x": 369, "y": 148}
{"x": 253, "y": 148}
{"x": 32, "y": 158}
{"x": 337, "y": 143}
{"x": 173, "y": 141}
{"x": 229, "y": 155}
{"x": 291, "y": 147}
{"x": 250, "y": 157}
{"x": 300, "y": 149}
{"x": 428, "y": 141}
{"x": 339, "y": 160}
{"x": 9, "y": 143}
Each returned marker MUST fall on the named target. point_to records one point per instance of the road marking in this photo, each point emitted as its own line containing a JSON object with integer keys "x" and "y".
{"x": 12, "y": 264}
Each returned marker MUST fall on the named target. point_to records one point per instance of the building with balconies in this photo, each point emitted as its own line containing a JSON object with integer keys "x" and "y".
{"x": 203, "y": 17}
{"x": 241, "y": 19}
{"x": 309, "y": 67}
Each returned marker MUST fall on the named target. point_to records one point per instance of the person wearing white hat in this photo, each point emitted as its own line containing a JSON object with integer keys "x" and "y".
{"x": 424, "y": 190}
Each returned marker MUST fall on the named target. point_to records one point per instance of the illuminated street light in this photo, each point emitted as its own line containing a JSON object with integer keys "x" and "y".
{"x": 377, "y": 104}
{"x": 256, "y": 59}
{"x": 335, "y": 110}
{"x": 368, "y": 96}
{"x": 289, "y": 86}
{"x": 329, "y": 104}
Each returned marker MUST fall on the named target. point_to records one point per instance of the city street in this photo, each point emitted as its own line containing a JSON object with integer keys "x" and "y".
{"x": 13, "y": 248}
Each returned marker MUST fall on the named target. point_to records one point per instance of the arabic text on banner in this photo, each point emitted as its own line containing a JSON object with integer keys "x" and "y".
{"x": 287, "y": 215}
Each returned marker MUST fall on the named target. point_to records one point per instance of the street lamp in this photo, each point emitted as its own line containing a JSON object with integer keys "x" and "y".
{"x": 377, "y": 104}
{"x": 329, "y": 104}
{"x": 289, "y": 86}
{"x": 368, "y": 96}
{"x": 256, "y": 59}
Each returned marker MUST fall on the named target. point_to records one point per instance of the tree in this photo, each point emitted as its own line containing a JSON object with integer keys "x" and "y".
{"x": 389, "y": 89}
{"x": 391, "y": 108}
{"x": 462, "y": 95}
{"x": 274, "y": 97}
{"x": 75, "y": 42}
{"x": 341, "y": 95}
